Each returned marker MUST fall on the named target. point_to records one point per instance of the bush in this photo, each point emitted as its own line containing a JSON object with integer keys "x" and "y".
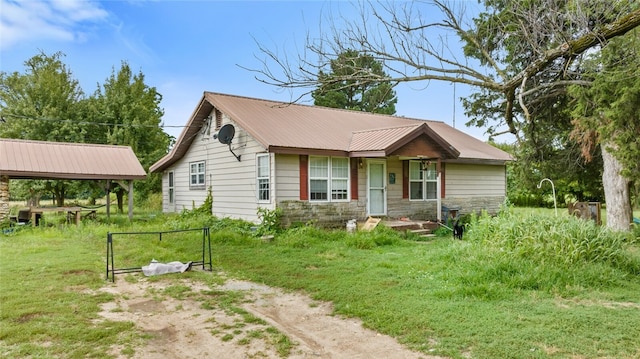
{"x": 269, "y": 221}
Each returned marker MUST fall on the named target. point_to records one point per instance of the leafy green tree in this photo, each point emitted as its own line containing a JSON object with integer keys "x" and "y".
{"x": 131, "y": 109}
{"x": 46, "y": 103}
{"x": 608, "y": 113}
{"x": 340, "y": 87}
{"x": 41, "y": 104}
{"x": 544, "y": 115}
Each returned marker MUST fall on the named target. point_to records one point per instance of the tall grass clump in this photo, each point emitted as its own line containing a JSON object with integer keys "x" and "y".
{"x": 541, "y": 251}
{"x": 303, "y": 237}
{"x": 379, "y": 236}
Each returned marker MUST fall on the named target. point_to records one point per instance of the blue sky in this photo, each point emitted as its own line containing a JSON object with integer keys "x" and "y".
{"x": 187, "y": 47}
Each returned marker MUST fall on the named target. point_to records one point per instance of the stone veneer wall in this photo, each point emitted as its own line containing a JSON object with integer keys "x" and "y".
{"x": 427, "y": 210}
{"x": 476, "y": 204}
{"x": 337, "y": 214}
{"x": 334, "y": 214}
{"x": 4, "y": 198}
{"x": 416, "y": 210}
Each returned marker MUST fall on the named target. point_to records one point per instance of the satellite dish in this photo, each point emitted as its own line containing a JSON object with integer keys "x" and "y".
{"x": 225, "y": 136}
{"x": 226, "y": 133}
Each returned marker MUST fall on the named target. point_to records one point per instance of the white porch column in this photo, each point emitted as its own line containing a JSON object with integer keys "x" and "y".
{"x": 438, "y": 196}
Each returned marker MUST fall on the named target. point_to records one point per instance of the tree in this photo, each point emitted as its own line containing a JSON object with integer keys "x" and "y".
{"x": 376, "y": 97}
{"x": 46, "y": 103}
{"x": 41, "y": 105}
{"x": 520, "y": 54}
{"x": 131, "y": 109}
{"x": 608, "y": 113}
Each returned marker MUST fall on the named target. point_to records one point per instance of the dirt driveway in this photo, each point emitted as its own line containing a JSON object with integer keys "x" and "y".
{"x": 269, "y": 324}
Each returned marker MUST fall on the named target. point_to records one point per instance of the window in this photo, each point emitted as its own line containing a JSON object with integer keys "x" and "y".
{"x": 319, "y": 178}
{"x": 196, "y": 174}
{"x": 263, "y": 174}
{"x": 171, "y": 187}
{"x": 423, "y": 185}
{"x": 339, "y": 178}
{"x": 328, "y": 179}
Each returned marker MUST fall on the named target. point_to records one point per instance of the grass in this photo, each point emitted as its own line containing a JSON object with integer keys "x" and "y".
{"x": 477, "y": 298}
{"x": 48, "y": 299}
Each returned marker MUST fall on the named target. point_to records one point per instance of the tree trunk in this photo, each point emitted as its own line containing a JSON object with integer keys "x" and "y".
{"x": 34, "y": 198}
{"x": 616, "y": 193}
{"x": 59, "y": 193}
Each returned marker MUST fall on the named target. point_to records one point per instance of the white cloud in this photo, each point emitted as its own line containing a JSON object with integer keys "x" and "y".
{"x": 59, "y": 20}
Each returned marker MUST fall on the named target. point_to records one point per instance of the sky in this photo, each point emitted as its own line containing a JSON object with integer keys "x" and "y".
{"x": 185, "y": 48}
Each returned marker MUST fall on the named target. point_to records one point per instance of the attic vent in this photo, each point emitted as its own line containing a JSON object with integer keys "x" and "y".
{"x": 218, "y": 119}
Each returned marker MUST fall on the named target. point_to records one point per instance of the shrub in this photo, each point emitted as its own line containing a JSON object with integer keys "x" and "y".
{"x": 269, "y": 221}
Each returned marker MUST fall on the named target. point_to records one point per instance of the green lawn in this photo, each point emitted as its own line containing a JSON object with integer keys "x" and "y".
{"x": 443, "y": 297}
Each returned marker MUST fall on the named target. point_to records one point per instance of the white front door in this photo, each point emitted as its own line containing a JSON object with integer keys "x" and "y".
{"x": 377, "y": 188}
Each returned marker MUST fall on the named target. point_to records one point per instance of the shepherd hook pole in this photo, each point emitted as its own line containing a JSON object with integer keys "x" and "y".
{"x": 553, "y": 188}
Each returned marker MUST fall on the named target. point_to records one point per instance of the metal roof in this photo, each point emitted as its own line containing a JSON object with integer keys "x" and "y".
{"x": 59, "y": 160}
{"x": 296, "y": 128}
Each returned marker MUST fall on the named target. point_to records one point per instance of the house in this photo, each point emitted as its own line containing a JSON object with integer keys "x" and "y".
{"x": 326, "y": 164}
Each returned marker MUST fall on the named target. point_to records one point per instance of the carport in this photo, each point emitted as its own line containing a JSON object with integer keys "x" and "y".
{"x": 26, "y": 159}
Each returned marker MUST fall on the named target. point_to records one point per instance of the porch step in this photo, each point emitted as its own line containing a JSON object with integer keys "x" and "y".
{"x": 409, "y": 225}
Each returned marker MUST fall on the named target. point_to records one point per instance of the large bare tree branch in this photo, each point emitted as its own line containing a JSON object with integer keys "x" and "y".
{"x": 413, "y": 46}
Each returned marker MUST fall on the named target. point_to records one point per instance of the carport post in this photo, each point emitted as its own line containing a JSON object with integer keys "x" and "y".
{"x": 108, "y": 199}
{"x": 130, "y": 200}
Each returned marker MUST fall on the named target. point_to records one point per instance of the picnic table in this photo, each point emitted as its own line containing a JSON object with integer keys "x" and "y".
{"x": 73, "y": 213}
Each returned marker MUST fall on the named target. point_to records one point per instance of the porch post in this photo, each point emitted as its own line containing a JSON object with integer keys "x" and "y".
{"x": 438, "y": 196}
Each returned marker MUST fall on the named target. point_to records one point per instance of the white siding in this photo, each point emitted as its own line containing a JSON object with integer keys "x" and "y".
{"x": 186, "y": 197}
{"x": 234, "y": 186}
{"x": 467, "y": 180}
{"x": 287, "y": 177}
{"x": 232, "y": 182}
{"x": 394, "y": 165}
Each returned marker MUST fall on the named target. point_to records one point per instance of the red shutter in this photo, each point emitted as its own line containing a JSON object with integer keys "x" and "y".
{"x": 405, "y": 179}
{"x": 304, "y": 177}
{"x": 354, "y": 178}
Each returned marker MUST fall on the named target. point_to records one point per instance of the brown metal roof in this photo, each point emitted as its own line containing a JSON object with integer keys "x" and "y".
{"x": 383, "y": 142}
{"x": 40, "y": 159}
{"x": 295, "y": 128}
